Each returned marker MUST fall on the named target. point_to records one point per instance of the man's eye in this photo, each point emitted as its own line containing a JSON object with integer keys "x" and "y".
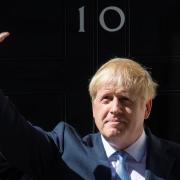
{"x": 106, "y": 99}
{"x": 125, "y": 101}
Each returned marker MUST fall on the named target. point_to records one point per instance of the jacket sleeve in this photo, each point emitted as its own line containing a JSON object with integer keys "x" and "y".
{"x": 29, "y": 148}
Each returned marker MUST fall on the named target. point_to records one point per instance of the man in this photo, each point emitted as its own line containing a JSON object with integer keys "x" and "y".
{"x": 121, "y": 92}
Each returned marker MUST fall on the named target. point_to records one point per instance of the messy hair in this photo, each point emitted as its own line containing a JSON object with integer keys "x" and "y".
{"x": 124, "y": 73}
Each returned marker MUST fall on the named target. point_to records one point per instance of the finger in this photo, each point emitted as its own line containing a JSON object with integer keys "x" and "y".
{"x": 3, "y": 36}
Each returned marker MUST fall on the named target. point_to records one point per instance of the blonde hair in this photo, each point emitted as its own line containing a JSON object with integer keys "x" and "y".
{"x": 124, "y": 73}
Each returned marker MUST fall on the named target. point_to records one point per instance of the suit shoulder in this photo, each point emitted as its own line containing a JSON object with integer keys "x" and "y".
{"x": 171, "y": 146}
{"x": 170, "y": 143}
{"x": 161, "y": 143}
{"x": 65, "y": 134}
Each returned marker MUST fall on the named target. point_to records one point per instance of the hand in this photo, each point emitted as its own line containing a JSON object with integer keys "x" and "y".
{"x": 3, "y": 36}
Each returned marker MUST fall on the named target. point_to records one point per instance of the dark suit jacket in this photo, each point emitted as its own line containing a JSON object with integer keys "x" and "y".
{"x": 7, "y": 171}
{"x": 63, "y": 154}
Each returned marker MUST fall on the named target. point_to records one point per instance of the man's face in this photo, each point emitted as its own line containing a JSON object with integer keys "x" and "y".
{"x": 119, "y": 115}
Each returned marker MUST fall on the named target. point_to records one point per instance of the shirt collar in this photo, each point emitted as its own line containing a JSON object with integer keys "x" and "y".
{"x": 136, "y": 150}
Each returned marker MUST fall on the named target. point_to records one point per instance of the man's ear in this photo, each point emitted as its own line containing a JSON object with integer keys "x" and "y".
{"x": 148, "y": 109}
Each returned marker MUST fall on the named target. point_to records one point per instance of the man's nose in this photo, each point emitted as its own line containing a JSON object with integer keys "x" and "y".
{"x": 116, "y": 106}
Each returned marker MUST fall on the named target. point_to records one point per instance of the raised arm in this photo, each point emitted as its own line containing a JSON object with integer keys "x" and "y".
{"x": 29, "y": 148}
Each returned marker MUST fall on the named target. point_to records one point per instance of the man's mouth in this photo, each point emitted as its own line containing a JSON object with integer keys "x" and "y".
{"x": 116, "y": 121}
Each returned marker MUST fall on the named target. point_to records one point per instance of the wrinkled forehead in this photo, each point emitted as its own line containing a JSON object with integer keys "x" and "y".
{"x": 113, "y": 87}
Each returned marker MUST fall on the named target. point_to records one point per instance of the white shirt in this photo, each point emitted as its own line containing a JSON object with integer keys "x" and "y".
{"x": 136, "y": 162}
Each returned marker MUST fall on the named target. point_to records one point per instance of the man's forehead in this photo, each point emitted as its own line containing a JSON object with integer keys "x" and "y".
{"x": 114, "y": 89}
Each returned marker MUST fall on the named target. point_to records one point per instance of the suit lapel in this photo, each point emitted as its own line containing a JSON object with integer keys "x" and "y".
{"x": 101, "y": 166}
{"x": 159, "y": 163}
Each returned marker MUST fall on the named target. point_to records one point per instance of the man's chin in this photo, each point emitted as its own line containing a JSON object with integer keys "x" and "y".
{"x": 115, "y": 128}
{"x": 113, "y": 132}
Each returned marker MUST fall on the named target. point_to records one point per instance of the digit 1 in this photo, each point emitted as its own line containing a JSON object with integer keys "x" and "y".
{"x": 81, "y": 19}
